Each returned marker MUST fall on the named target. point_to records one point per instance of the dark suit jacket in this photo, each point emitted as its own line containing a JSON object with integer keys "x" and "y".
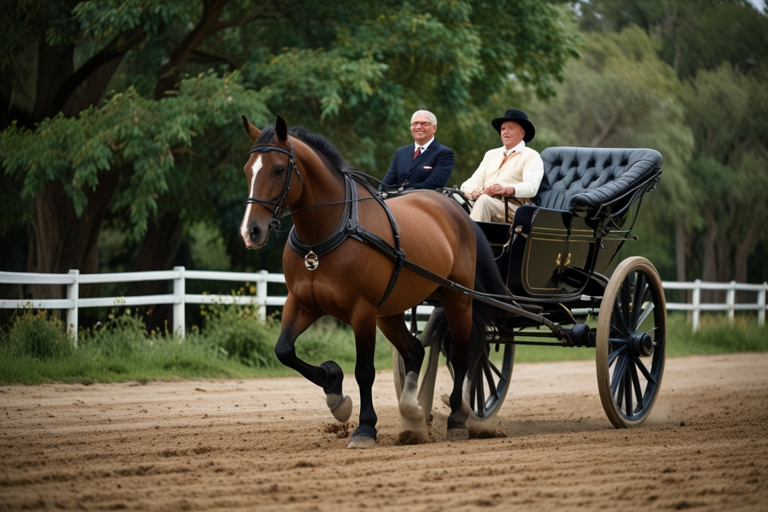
{"x": 431, "y": 169}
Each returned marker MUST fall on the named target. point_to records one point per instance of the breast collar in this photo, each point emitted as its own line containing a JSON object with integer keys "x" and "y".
{"x": 349, "y": 227}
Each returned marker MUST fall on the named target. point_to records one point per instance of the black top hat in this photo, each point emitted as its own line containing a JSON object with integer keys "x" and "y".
{"x": 519, "y": 117}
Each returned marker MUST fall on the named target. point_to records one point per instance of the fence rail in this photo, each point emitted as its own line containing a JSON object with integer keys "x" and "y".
{"x": 179, "y": 298}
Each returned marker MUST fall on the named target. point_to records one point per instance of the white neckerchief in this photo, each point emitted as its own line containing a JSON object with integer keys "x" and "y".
{"x": 517, "y": 148}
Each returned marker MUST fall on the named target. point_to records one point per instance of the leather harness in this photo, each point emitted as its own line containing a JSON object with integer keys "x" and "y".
{"x": 349, "y": 227}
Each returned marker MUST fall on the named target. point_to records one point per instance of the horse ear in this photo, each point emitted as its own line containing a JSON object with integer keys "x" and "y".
{"x": 281, "y": 129}
{"x": 251, "y": 130}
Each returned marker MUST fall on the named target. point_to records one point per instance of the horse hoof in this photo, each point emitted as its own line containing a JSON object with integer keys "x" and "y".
{"x": 361, "y": 442}
{"x": 457, "y": 434}
{"x": 340, "y": 406}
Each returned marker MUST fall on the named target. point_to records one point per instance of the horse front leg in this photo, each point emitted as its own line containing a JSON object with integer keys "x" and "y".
{"x": 364, "y": 328}
{"x": 328, "y": 375}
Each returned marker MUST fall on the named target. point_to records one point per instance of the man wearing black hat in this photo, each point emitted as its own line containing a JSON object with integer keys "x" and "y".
{"x": 514, "y": 171}
{"x": 424, "y": 164}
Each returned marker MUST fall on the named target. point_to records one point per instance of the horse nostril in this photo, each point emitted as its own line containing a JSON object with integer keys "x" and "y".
{"x": 254, "y": 233}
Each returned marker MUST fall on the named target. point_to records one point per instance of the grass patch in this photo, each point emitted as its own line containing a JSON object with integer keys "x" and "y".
{"x": 235, "y": 343}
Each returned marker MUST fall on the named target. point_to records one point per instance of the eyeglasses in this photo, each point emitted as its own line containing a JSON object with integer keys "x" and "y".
{"x": 425, "y": 124}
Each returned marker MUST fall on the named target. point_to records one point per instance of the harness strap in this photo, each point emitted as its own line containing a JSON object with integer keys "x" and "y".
{"x": 356, "y": 231}
{"x": 349, "y": 227}
{"x": 341, "y": 233}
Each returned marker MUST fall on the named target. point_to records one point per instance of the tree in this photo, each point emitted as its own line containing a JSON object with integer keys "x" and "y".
{"x": 720, "y": 49}
{"x": 125, "y": 112}
{"x": 727, "y": 111}
{"x": 620, "y": 94}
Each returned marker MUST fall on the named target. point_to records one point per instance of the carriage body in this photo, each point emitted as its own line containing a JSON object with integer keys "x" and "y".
{"x": 554, "y": 258}
{"x": 560, "y": 247}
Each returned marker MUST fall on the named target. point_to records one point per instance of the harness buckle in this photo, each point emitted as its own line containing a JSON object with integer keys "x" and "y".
{"x": 311, "y": 261}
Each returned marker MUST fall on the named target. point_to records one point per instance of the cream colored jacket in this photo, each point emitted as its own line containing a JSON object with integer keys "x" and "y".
{"x": 523, "y": 170}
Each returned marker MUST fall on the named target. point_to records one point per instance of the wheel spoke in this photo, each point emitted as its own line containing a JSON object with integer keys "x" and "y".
{"x": 636, "y": 385}
{"x": 644, "y": 315}
{"x": 619, "y": 393}
{"x": 618, "y": 373}
{"x": 627, "y": 381}
{"x": 489, "y": 379}
{"x": 639, "y": 364}
{"x": 613, "y": 355}
{"x": 618, "y": 321}
{"x": 496, "y": 371}
{"x": 641, "y": 286}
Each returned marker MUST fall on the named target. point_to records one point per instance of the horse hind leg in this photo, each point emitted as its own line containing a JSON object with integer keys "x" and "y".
{"x": 411, "y": 413}
{"x": 459, "y": 319}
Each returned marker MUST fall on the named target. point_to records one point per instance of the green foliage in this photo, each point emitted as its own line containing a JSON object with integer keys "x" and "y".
{"x": 715, "y": 335}
{"x": 132, "y": 132}
{"x": 34, "y": 335}
{"x": 242, "y": 335}
{"x": 234, "y": 344}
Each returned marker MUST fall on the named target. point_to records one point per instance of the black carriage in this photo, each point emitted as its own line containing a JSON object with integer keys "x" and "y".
{"x": 553, "y": 258}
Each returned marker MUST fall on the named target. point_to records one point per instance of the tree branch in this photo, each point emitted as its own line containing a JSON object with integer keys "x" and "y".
{"x": 116, "y": 49}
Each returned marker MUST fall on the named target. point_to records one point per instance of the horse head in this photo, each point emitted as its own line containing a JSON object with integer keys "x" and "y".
{"x": 272, "y": 186}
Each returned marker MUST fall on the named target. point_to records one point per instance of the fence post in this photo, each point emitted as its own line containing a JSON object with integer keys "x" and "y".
{"x": 696, "y": 304}
{"x": 73, "y": 294}
{"x": 261, "y": 294}
{"x": 731, "y": 302}
{"x": 761, "y": 305}
{"x": 179, "y": 292}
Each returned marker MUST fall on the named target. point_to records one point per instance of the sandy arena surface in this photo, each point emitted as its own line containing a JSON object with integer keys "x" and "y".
{"x": 271, "y": 444}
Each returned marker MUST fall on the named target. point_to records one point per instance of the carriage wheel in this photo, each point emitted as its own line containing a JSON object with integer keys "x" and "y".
{"x": 487, "y": 393}
{"x": 631, "y": 342}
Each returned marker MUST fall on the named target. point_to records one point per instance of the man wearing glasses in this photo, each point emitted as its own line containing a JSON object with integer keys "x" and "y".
{"x": 424, "y": 164}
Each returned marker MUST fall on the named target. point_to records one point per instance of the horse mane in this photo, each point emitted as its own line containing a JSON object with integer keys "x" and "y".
{"x": 312, "y": 139}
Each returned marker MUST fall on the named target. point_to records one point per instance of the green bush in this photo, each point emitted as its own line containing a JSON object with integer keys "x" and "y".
{"x": 235, "y": 343}
{"x": 242, "y": 335}
{"x": 34, "y": 335}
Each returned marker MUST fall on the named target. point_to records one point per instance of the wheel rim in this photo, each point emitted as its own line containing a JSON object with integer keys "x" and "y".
{"x": 631, "y": 342}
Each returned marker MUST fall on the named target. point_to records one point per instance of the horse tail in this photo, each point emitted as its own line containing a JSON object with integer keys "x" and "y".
{"x": 487, "y": 280}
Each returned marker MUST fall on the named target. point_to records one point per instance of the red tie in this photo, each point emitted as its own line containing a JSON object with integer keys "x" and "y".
{"x": 416, "y": 153}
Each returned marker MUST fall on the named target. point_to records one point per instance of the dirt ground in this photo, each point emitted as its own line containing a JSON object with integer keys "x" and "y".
{"x": 271, "y": 444}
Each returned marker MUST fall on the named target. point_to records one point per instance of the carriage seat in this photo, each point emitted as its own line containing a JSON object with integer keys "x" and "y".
{"x": 591, "y": 181}
{"x": 568, "y": 234}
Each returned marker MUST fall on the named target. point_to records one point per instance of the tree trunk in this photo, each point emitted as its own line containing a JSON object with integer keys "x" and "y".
{"x": 157, "y": 252}
{"x": 60, "y": 240}
{"x": 744, "y": 248}
{"x": 680, "y": 251}
{"x": 709, "y": 261}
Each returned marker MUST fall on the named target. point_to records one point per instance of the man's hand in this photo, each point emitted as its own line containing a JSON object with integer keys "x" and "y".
{"x": 498, "y": 190}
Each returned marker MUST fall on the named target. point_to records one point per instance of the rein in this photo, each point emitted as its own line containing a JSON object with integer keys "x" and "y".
{"x": 349, "y": 227}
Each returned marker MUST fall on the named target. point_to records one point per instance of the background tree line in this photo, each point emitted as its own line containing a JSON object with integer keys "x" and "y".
{"x": 121, "y": 144}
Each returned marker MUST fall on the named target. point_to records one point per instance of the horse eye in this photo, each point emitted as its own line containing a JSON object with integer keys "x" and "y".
{"x": 279, "y": 169}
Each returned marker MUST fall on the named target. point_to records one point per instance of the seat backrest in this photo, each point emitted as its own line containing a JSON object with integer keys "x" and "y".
{"x": 583, "y": 179}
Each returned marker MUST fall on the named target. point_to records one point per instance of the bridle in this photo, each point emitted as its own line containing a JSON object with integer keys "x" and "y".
{"x": 274, "y": 221}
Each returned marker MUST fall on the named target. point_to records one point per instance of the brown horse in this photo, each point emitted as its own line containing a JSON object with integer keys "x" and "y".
{"x": 344, "y": 258}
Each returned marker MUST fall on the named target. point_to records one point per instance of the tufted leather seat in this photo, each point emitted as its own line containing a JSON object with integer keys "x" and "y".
{"x": 588, "y": 180}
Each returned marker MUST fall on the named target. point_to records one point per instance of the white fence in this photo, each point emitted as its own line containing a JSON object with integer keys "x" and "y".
{"x": 179, "y": 298}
